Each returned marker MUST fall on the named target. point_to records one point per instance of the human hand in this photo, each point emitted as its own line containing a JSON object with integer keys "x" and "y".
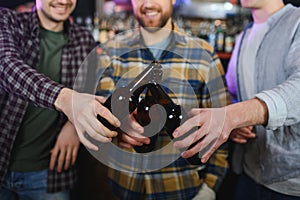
{"x": 214, "y": 130}
{"x": 132, "y": 131}
{"x": 242, "y": 135}
{"x": 216, "y": 125}
{"x": 64, "y": 152}
{"x": 82, "y": 110}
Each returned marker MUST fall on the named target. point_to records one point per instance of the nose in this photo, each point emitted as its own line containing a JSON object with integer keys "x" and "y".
{"x": 149, "y": 3}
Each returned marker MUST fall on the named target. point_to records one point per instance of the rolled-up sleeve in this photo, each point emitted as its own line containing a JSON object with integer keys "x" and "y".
{"x": 277, "y": 110}
{"x": 283, "y": 100}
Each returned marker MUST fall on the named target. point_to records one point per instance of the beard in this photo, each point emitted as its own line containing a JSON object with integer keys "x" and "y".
{"x": 153, "y": 26}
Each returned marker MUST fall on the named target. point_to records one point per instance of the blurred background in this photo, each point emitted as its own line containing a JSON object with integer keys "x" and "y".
{"x": 217, "y": 21}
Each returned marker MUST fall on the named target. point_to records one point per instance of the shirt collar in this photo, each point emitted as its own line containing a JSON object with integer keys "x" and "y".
{"x": 274, "y": 18}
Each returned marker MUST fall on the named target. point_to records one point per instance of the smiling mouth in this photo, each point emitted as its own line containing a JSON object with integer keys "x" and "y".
{"x": 61, "y": 8}
{"x": 152, "y": 13}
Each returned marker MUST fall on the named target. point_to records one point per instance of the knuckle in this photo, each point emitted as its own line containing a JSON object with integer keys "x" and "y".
{"x": 102, "y": 110}
{"x": 224, "y": 137}
{"x": 93, "y": 134}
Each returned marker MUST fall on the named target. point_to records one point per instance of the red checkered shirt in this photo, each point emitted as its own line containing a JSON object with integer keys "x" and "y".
{"x": 20, "y": 83}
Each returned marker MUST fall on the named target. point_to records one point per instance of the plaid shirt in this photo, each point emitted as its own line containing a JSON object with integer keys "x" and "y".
{"x": 192, "y": 61}
{"x": 20, "y": 82}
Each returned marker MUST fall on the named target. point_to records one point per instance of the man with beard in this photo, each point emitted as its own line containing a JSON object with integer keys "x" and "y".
{"x": 40, "y": 54}
{"x": 188, "y": 59}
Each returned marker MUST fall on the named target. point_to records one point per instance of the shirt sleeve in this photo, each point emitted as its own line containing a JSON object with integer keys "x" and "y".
{"x": 283, "y": 100}
{"x": 16, "y": 77}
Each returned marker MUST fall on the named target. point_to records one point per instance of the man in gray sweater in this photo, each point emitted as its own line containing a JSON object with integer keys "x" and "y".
{"x": 264, "y": 75}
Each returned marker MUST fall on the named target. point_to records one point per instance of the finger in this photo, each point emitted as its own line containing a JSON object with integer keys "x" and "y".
{"x": 187, "y": 141}
{"x": 61, "y": 159}
{"x": 129, "y": 140}
{"x": 104, "y": 112}
{"x": 100, "y": 134}
{"x": 201, "y": 147}
{"x": 244, "y": 130}
{"x": 250, "y": 128}
{"x": 130, "y": 125}
{"x": 239, "y": 140}
{"x": 215, "y": 145}
{"x": 192, "y": 151}
{"x": 125, "y": 145}
{"x": 54, "y": 153}
{"x": 96, "y": 127}
{"x": 246, "y": 135}
{"x": 86, "y": 142}
{"x": 74, "y": 154}
{"x": 68, "y": 158}
{"x": 136, "y": 137}
{"x": 186, "y": 126}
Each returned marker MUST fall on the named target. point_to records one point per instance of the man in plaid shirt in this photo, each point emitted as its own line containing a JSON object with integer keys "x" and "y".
{"x": 186, "y": 62}
{"x": 40, "y": 55}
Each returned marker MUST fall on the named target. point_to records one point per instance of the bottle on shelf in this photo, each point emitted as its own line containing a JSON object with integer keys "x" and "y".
{"x": 89, "y": 23}
{"x": 220, "y": 37}
{"x": 96, "y": 33}
{"x": 103, "y": 31}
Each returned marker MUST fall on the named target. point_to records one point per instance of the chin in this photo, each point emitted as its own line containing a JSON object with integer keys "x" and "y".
{"x": 152, "y": 29}
{"x": 60, "y": 18}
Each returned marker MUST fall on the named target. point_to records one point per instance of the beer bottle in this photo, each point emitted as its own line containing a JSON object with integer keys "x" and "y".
{"x": 174, "y": 117}
{"x": 124, "y": 100}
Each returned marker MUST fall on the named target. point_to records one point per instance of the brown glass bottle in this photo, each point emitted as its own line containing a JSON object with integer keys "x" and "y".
{"x": 124, "y": 100}
{"x": 174, "y": 117}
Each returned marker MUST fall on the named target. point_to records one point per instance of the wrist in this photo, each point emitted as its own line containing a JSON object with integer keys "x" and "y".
{"x": 63, "y": 98}
{"x": 247, "y": 113}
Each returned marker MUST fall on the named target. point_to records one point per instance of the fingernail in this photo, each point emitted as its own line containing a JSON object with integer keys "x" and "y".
{"x": 175, "y": 134}
{"x": 95, "y": 148}
{"x": 140, "y": 144}
{"x": 140, "y": 129}
{"x": 183, "y": 154}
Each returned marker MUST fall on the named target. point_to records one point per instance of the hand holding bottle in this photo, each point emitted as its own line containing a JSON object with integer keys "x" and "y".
{"x": 82, "y": 109}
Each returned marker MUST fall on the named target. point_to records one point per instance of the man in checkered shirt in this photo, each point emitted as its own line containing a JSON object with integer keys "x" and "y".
{"x": 40, "y": 54}
{"x": 193, "y": 76}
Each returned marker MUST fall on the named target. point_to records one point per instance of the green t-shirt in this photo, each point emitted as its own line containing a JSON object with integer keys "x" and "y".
{"x": 37, "y": 134}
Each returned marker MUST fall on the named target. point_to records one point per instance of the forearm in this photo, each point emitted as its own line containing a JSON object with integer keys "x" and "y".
{"x": 246, "y": 113}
